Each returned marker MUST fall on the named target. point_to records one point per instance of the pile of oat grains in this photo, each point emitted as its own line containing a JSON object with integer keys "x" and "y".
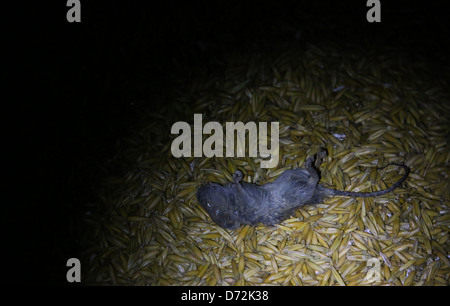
{"x": 366, "y": 109}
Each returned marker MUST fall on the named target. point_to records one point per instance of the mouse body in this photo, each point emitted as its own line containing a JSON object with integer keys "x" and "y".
{"x": 239, "y": 202}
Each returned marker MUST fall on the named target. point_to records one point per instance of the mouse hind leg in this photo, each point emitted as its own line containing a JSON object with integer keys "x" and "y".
{"x": 313, "y": 175}
{"x": 301, "y": 187}
{"x": 309, "y": 192}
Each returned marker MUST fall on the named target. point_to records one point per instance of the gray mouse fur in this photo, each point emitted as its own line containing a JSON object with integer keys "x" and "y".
{"x": 240, "y": 203}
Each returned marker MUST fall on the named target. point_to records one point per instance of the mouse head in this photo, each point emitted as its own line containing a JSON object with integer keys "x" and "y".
{"x": 218, "y": 202}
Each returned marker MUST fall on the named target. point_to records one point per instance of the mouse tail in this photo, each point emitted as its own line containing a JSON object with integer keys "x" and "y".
{"x": 372, "y": 194}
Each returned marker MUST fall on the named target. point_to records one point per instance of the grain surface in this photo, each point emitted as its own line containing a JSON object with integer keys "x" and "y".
{"x": 148, "y": 228}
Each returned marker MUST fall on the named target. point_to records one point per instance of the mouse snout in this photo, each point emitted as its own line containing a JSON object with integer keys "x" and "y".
{"x": 231, "y": 224}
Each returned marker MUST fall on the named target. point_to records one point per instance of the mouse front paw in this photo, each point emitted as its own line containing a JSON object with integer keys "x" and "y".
{"x": 237, "y": 176}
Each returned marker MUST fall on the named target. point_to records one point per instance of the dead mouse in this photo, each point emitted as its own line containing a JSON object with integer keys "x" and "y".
{"x": 240, "y": 203}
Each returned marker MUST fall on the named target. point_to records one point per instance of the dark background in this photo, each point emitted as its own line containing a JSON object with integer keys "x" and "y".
{"x": 74, "y": 90}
